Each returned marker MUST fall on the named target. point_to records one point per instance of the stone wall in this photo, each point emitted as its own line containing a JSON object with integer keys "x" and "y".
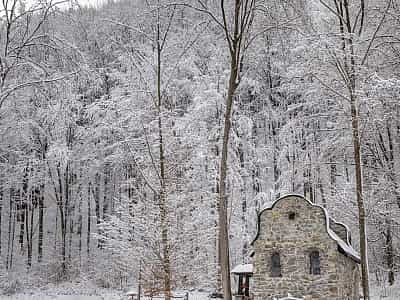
{"x": 294, "y": 239}
{"x": 349, "y": 279}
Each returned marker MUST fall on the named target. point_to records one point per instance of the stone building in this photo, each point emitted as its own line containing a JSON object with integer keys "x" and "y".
{"x": 300, "y": 250}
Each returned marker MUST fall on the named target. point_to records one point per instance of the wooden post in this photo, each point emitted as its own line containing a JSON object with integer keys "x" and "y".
{"x": 240, "y": 282}
{"x": 247, "y": 286}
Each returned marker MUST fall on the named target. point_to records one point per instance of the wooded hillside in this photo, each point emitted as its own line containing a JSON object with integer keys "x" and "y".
{"x": 114, "y": 132}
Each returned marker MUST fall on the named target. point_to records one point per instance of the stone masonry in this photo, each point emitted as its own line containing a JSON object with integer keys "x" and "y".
{"x": 294, "y": 227}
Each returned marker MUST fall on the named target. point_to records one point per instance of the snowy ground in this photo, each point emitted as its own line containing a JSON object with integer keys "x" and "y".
{"x": 105, "y": 296}
{"x": 57, "y": 297}
{"x": 74, "y": 292}
{"x": 386, "y": 293}
{"x": 81, "y": 291}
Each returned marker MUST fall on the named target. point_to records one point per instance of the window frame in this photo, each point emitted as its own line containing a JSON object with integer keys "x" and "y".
{"x": 276, "y": 265}
{"x": 314, "y": 258}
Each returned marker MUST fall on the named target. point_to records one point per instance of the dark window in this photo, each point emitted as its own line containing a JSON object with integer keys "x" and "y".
{"x": 315, "y": 263}
{"x": 276, "y": 265}
{"x": 292, "y": 215}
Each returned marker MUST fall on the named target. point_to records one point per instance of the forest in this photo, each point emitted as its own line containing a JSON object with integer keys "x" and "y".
{"x": 139, "y": 139}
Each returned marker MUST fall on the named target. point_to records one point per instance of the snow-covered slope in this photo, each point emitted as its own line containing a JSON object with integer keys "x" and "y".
{"x": 76, "y": 292}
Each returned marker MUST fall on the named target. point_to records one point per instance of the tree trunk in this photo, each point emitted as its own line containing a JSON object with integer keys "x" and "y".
{"x": 41, "y": 222}
{"x": 360, "y": 200}
{"x": 96, "y": 194}
{"x": 391, "y": 164}
{"x": 1, "y": 211}
{"x": 106, "y": 190}
{"x": 321, "y": 187}
{"x": 70, "y": 208}
{"x": 62, "y": 204}
{"x": 56, "y": 230}
{"x": 10, "y": 214}
{"x": 235, "y": 38}
{"x": 348, "y": 34}
{"x": 29, "y": 233}
{"x": 223, "y": 198}
{"x": 162, "y": 194}
{"x": 11, "y": 227}
{"x": 21, "y": 208}
{"x": 333, "y": 172}
{"x": 140, "y": 281}
{"x": 80, "y": 227}
{"x": 88, "y": 221}
{"x": 275, "y": 150}
{"x": 390, "y": 254}
{"x": 63, "y": 240}
{"x": 389, "y": 251}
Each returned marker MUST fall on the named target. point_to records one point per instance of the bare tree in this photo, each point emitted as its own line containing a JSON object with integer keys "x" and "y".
{"x": 20, "y": 31}
{"x": 162, "y": 18}
{"x": 237, "y": 38}
{"x": 351, "y": 22}
{"x": 235, "y": 20}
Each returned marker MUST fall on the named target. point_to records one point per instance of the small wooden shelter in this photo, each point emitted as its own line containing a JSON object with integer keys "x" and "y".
{"x": 132, "y": 294}
{"x": 244, "y": 272}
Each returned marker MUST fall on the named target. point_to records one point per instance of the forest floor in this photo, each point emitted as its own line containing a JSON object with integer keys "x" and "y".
{"x": 80, "y": 291}
{"x": 109, "y": 295}
{"x": 68, "y": 291}
{"x": 386, "y": 292}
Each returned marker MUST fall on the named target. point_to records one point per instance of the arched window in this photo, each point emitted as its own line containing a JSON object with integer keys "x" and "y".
{"x": 315, "y": 263}
{"x": 276, "y": 265}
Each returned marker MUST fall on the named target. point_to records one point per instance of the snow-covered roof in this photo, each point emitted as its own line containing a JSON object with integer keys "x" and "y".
{"x": 289, "y": 297}
{"x": 345, "y": 246}
{"x": 132, "y": 292}
{"x": 243, "y": 269}
{"x": 349, "y": 250}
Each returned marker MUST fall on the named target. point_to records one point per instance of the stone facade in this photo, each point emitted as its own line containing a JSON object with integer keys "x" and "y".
{"x": 293, "y": 227}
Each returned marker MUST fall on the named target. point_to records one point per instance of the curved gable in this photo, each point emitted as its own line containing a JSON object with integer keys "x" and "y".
{"x": 341, "y": 230}
{"x": 343, "y": 246}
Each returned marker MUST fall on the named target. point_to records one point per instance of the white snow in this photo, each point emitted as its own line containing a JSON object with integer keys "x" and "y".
{"x": 55, "y": 297}
{"x": 346, "y": 248}
{"x": 386, "y": 292}
{"x": 105, "y": 295}
{"x": 289, "y": 297}
{"x": 377, "y": 293}
{"x": 132, "y": 292}
{"x": 243, "y": 268}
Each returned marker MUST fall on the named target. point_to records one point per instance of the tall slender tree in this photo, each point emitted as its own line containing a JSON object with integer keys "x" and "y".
{"x": 237, "y": 35}
{"x": 349, "y": 59}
